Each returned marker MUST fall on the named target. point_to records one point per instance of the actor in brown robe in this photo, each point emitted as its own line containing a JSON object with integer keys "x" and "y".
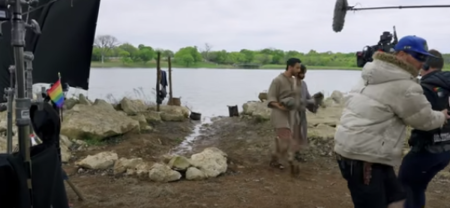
{"x": 284, "y": 97}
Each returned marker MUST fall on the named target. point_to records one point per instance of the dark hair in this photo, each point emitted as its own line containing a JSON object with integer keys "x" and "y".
{"x": 292, "y": 62}
{"x": 302, "y": 68}
{"x": 436, "y": 62}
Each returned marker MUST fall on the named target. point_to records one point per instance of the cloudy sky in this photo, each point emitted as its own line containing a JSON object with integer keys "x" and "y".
{"x": 255, "y": 24}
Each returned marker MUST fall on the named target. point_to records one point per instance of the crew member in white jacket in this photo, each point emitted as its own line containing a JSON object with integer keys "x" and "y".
{"x": 370, "y": 136}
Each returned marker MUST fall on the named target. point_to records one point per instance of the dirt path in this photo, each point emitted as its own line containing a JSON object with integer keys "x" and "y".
{"x": 249, "y": 183}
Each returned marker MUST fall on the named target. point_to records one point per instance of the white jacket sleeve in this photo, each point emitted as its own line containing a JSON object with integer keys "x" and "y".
{"x": 415, "y": 110}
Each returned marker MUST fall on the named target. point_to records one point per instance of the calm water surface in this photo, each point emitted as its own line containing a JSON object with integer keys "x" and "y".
{"x": 207, "y": 91}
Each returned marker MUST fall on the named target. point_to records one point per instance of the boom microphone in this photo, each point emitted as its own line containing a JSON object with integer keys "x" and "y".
{"x": 340, "y": 10}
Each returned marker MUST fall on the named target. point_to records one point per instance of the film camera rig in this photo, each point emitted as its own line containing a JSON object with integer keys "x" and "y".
{"x": 386, "y": 44}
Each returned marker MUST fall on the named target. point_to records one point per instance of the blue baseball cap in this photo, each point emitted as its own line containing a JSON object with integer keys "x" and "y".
{"x": 415, "y": 46}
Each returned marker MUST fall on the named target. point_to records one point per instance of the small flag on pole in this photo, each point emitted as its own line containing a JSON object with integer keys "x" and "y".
{"x": 56, "y": 94}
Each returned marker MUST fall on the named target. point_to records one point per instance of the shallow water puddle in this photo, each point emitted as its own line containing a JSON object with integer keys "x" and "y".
{"x": 186, "y": 145}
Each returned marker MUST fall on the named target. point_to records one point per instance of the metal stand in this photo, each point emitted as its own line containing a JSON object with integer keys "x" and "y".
{"x": 22, "y": 102}
{"x": 352, "y": 8}
{"x": 9, "y": 93}
{"x": 29, "y": 57}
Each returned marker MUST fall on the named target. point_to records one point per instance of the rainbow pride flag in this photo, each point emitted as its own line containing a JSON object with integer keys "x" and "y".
{"x": 56, "y": 94}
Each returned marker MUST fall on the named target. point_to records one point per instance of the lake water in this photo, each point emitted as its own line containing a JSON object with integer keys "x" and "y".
{"x": 207, "y": 91}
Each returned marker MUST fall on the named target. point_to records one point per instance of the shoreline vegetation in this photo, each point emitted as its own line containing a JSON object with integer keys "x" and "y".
{"x": 164, "y": 64}
{"x": 108, "y": 52}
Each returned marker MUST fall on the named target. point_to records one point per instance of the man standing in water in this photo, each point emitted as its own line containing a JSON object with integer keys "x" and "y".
{"x": 369, "y": 137}
{"x": 283, "y": 99}
{"x": 430, "y": 150}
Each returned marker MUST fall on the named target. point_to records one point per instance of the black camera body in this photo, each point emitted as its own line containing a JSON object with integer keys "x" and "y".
{"x": 385, "y": 45}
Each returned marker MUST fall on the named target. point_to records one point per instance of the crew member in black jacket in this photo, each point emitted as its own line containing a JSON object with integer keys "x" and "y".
{"x": 430, "y": 150}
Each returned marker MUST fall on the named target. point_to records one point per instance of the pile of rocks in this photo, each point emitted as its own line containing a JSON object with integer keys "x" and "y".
{"x": 209, "y": 163}
{"x": 98, "y": 120}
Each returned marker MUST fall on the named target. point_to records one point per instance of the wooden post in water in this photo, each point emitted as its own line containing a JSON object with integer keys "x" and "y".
{"x": 170, "y": 79}
{"x": 158, "y": 78}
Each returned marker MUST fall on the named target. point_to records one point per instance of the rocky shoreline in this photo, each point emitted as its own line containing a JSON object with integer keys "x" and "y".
{"x": 87, "y": 122}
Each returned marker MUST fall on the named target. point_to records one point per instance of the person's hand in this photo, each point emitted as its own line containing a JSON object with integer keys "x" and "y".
{"x": 281, "y": 107}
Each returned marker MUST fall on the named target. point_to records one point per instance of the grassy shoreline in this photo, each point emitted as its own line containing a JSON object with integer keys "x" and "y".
{"x": 204, "y": 65}
{"x": 214, "y": 66}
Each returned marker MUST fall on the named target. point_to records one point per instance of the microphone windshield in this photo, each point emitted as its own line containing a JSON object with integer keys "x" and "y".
{"x": 340, "y": 10}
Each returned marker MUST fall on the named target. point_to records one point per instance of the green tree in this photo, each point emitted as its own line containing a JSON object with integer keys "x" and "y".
{"x": 125, "y": 57}
{"x": 249, "y": 56}
{"x": 133, "y": 51}
{"x": 188, "y": 56}
{"x": 96, "y": 54}
{"x": 167, "y": 53}
{"x": 146, "y": 53}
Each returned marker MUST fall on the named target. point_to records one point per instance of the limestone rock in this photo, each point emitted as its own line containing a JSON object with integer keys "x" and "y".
{"x": 96, "y": 122}
{"x": 262, "y": 96}
{"x": 337, "y": 97}
{"x": 180, "y": 111}
{"x": 142, "y": 170}
{"x": 100, "y": 161}
{"x": 121, "y": 165}
{"x": 258, "y": 110}
{"x": 2, "y": 145}
{"x": 83, "y": 100}
{"x": 69, "y": 103}
{"x": 179, "y": 163}
{"x": 211, "y": 161}
{"x": 132, "y": 107}
{"x": 172, "y": 117}
{"x": 103, "y": 104}
{"x": 444, "y": 174}
{"x": 329, "y": 116}
{"x": 152, "y": 117}
{"x": 142, "y": 122}
{"x": 65, "y": 140}
{"x": 66, "y": 154}
{"x": 163, "y": 173}
{"x": 194, "y": 173}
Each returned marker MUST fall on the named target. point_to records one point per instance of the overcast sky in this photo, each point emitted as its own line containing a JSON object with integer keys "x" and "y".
{"x": 256, "y": 24}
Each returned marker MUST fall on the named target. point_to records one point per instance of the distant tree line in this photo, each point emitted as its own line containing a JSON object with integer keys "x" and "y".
{"x": 108, "y": 48}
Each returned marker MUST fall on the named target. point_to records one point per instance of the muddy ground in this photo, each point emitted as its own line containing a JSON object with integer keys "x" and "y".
{"x": 249, "y": 182}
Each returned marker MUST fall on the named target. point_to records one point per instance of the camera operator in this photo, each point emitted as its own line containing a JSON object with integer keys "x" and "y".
{"x": 430, "y": 150}
{"x": 369, "y": 137}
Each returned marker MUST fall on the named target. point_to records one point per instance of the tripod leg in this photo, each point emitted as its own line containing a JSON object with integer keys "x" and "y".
{"x": 75, "y": 189}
